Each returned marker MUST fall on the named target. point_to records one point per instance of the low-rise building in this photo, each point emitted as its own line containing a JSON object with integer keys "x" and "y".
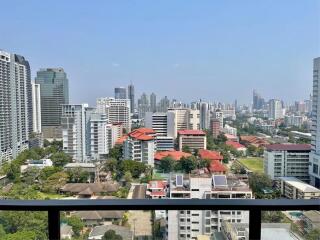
{"x": 237, "y": 146}
{"x": 287, "y": 160}
{"x": 157, "y": 189}
{"x": 294, "y": 188}
{"x": 95, "y": 218}
{"x": 140, "y": 146}
{"x": 164, "y": 143}
{"x": 194, "y": 139}
{"x": 175, "y": 155}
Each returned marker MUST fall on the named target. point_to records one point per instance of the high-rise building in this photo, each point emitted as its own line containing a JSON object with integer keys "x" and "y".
{"x": 36, "y": 108}
{"x": 131, "y": 97}
{"x": 218, "y": 114}
{"x": 54, "y": 92}
{"x": 275, "y": 109}
{"x": 73, "y": 122}
{"x": 117, "y": 111}
{"x": 193, "y": 139}
{"x": 258, "y": 101}
{"x": 153, "y": 102}
{"x": 143, "y": 105}
{"x": 15, "y": 105}
{"x": 163, "y": 104}
{"x": 314, "y": 170}
{"x": 120, "y": 93}
{"x": 204, "y": 116}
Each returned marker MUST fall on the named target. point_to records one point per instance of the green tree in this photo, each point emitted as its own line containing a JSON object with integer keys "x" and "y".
{"x": 111, "y": 235}
{"x": 59, "y": 159}
{"x": 48, "y": 171}
{"x": 221, "y": 139}
{"x": 76, "y": 223}
{"x": 134, "y": 167}
{"x": 31, "y": 175}
{"x": 21, "y": 191}
{"x": 186, "y": 149}
{"x": 186, "y": 164}
{"x": 111, "y": 165}
{"x": 78, "y": 175}
{"x": 116, "y": 152}
{"x": 258, "y": 182}
{"x": 128, "y": 177}
{"x": 21, "y": 235}
{"x": 271, "y": 217}
{"x": 226, "y": 156}
{"x": 55, "y": 182}
{"x": 251, "y": 150}
{"x": 167, "y": 164}
{"x": 203, "y": 163}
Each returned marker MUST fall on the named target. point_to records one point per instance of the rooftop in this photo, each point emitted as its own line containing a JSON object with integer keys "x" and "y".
{"x": 236, "y": 145}
{"x": 191, "y": 132}
{"x": 302, "y": 186}
{"x": 289, "y": 147}
{"x": 143, "y": 134}
{"x": 175, "y": 155}
{"x": 211, "y": 155}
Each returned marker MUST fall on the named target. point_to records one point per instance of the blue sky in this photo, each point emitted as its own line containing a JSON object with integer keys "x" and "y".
{"x": 214, "y": 50}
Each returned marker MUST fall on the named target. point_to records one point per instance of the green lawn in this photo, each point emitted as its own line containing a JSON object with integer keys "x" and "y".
{"x": 254, "y": 164}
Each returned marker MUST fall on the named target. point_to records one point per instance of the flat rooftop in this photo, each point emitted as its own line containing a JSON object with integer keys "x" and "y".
{"x": 302, "y": 186}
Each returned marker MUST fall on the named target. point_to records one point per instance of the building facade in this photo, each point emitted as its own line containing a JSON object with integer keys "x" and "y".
{"x": 140, "y": 146}
{"x": 120, "y": 93}
{"x": 131, "y": 97}
{"x": 287, "y": 160}
{"x": 54, "y": 92}
{"x": 36, "y": 108}
{"x": 16, "y": 122}
{"x": 275, "y": 109}
{"x": 314, "y": 169}
{"x": 193, "y": 139}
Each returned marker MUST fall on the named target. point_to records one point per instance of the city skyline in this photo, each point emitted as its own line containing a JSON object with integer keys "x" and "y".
{"x": 194, "y": 52}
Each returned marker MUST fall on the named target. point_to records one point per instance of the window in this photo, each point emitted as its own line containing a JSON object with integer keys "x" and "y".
{"x": 315, "y": 168}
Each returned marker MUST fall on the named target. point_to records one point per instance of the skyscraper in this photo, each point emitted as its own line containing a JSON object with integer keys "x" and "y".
{"x": 15, "y": 105}
{"x": 258, "y": 101}
{"x": 120, "y": 93}
{"x": 204, "y": 116}
{"x": 131, "y": 97}
{"x": 143, "y": 105}
{"x": 315, "y": 129}
{"x": 54, "y": 91}
{"x": 36, "y": 108}
{"x": 275, "y": 109}
{"x": 153, "y": 102}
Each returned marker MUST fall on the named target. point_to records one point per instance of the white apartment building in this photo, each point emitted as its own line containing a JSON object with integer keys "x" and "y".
{"x": 36, "y": 108}
{"x": 293, "y": 188}
{"x": 73, "y": 122}
{"x": 189, "y": 224}
{"x": 194, "y": 119}
{"x": 15, "y": 105}
{"x": 314, "y": 170}
{"x": 117, "y": 110}
{"x": 230, "y": 130}
{"x": 140, "y": 146}
{"x": 162, "y": 123}
{"x": 275, "y": 109}
{"x": 218, "y": 114}
{"x": 287, "y": 160}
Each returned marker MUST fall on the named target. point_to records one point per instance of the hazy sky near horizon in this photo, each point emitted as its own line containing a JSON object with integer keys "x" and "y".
{"x": 209, "y": 49}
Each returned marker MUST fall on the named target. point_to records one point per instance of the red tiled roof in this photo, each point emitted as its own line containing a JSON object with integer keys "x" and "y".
{"x": 288, "y": 147}
{"x": 236, "y": 145}
{"x": 211, "y": 155}
{"x": 230, "y": 136}
{"x": 156, "y": 184}
{"x": 158, "y": 193}
{"x": 191, "y": 132}
{"x": 216, "y": 166}
{"x": 143, "y": 134}
{"x": 121, "y": 139}
{"x": 175, "y": 155}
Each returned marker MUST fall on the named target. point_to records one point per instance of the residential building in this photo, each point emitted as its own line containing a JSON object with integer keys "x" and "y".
{"x": 98, "y": 232}
{"x": 314, "y": 169}
{"x": 140, "y": 146}
{"x": 215, "y": 127}
{"x": 230, "y": 130}
{"x": 15, "y": 105}
{"x": 175, "y": 155}
{"x": 293, "y": 120}
{"x": 161, "y": 123}
{"x": 120, "y": 93}
{"x": 131, "y": 97}
{"x": 73, "y": 121}
{"x": 36, "y": 108}
{"x": 293, "y": 188}
{"x": 143, "y": 105}
{"x": 157, "y": 189}
{"x": 275, "y": 109}
{"x": 218, "y": 114}
{"x": 188, "y": 224}
{"x": 287, "y": 160}
{"x": 237, "y": 146}
{"x": 164, "y": 143}
{"x": 54, "y": 92}
{"x": 117, "y": 110}
{"x": 194, "y": 139}
{"x": 194, "y": 119}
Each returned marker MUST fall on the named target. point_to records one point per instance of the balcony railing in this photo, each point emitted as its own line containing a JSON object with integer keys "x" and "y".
{"x": 54, "y": 207}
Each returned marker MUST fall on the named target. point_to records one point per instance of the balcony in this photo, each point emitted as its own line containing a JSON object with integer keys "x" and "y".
{"x": 255, "y": 207}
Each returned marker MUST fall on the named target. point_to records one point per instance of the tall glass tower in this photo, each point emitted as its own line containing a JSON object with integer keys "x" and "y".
{"x": 131, "y": 97}
{"x": 54, "y": 91}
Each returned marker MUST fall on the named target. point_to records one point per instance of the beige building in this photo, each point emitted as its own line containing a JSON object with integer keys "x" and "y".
{"x": 194, "y": 139}
{"x": 294, "y": 188}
